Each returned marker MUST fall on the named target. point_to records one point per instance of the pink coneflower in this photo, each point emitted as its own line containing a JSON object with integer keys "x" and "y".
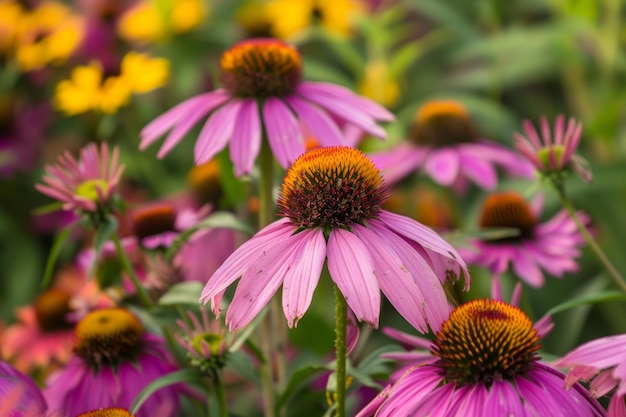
{"x": 19, "y": 395}
{"x": 484, "y": 363}
{"x": 444, "y": 143}
{"x": 86, "y": 184}
{"x": 114, "y": 360}
{"x": 263, "y": 91}
{"x": 603, "y": 361}
{"x": 107, "y": 412}
{"x": 330, "y": 203}
{"x": 552, "y": 246}
{"x": 554, "y": 155}
{"x": 42, "y": 336}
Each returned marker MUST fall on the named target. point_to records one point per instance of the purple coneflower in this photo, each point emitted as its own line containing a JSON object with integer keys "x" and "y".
{"x": 445, "y": 144}
{"x": 87, "y": 184}
{"x": 114, "y": 360}
{"x": 603, "y": 361}
{"x": 263, "y": 92}
{"x": 330, "y": 202}
{"x": 552, "y": 246}
{"x": 19, "y": 395}
{"x": 554, "y": 155}
{"x": 107, "y": 412}
{"x": 484, "y": 363}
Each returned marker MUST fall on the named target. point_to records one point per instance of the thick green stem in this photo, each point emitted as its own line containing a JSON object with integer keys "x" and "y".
{"x": 143, "y": 296}
{"x": 266, "y": 213}
{"x": 604, "y": 259}
{"x": 220, "y": 393}
{"x": 341, "y": 324}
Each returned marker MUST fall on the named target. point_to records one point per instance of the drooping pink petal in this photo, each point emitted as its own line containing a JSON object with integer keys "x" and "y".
{"x": 302, "y": 278}
{"x": 324, "y": 129}
{"x": 216, "y": 131}
{"x": 188, "y": 120}
{"x": 399, "y": 162}
{"x": 345, "y": 95}
{"x": 526, "y": 268}
{"x": 350, "y": 266}
{"x": 260, "y": 282}
{"x": 479, "y": 171}
{"x": 246, "y": 141}
{"x": 283, "y": 131}
{"x": 617, "y": 406}
{"x": 237, "y": 263}
{"x": 443, "y": 165}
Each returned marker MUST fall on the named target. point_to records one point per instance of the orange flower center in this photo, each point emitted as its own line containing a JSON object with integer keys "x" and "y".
{"x": 331, "y": 187}
{"x": 485, "y": 341}
{"x": 205, "y": 183}
{"x": 508, "y": 210}
{"x": 108, "y": 336}
{"x": 261, "y": 68}
{"x": 153, "y": 220}
{"x": 51, "y": 310}
{"x": 107, "y": 412}
{"x": 442, "y": 123}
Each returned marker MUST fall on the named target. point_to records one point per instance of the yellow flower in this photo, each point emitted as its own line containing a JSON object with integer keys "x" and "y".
{"x": 88, "y": 89}
{"x": 141, "y": 73}
{"x": 146, "y": 23}
{"x": 11, "y": 12}
{"x": 47, "y": 35}
{"x": 379, "y": 84}
{"x": 286, "y": 18}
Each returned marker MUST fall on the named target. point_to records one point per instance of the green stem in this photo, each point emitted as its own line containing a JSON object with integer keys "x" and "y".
{"x": 266, "y": 212}
{"x": 144, "y": 298}
{"x": 341, "y": 324}
{"x": 567, "y": 204}
{"x": 220, "y": 393}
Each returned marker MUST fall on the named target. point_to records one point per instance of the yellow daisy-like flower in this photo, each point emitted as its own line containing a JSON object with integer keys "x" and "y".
{"x": 47, "y": 35}
{"x": 146, "y": 23}
{"x": 88, "y": 88}
{"x": 286, "y": 18}
{"x": 10, "y": 13}
{"x": 142, "y": 74}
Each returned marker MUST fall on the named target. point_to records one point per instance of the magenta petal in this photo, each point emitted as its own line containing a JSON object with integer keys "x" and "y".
{"x": 260, "y": 282}
{"x": 189, "y": 119}
{"x": 283, "y": 131}
{"x": 395, "y": 280}
{"x": 399, "y": 162}
{"x": 344, "y": 111}
{"x": 324, "y": 129}
{"x": 343, "y": 94}
{"x": 350, "y": 266}
{"x": 156, "y": 128}
{"x": 617, "y": 406}
{"x": 526, "y": 268}
{"x": 301, "y": 280}
{"x": 242, "y": 257}
{"x": 478, "y": 170}
{"x": 246, "y": 141}
{"x": 443, "y": 165}
{"x": 216, "y": 131}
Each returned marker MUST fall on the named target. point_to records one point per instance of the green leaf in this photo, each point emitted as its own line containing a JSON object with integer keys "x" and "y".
{"x": 586, "y": 299}
{"x": 182, "y": 293}
{"x": 59, "y": 240}
{"x": 295, "y": 382}
{"x": 103, "y": 234}
{"x": 184, "y": 375}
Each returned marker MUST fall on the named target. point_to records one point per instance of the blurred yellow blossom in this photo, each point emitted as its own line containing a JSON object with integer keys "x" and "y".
{"x": 48, "y": 34}
{"x": 379, "y": 84}
{"x": 89, "y": 89}
{"x": 286, "y": 18}
{"x": 145, "y": 22}
{"x": 10, "y": 13}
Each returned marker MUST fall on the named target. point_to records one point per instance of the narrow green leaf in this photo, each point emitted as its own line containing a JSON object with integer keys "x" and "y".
{"x": 104, "y": 233}
{"x": 59, "y": 240}
{"x": 184, "y": 375}
{"x": 182, "y": 293}
{"x": 586, "y": 299}
{"x": 295, "y": 382}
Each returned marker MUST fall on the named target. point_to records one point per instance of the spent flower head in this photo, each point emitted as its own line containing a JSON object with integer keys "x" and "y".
{"x": 554, "y": 154}
{"x": 330, "y": 203}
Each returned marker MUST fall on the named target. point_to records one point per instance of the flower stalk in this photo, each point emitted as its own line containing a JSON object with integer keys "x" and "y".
{"x": 341, "y": 323}
{"x": 143, "y": 296}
